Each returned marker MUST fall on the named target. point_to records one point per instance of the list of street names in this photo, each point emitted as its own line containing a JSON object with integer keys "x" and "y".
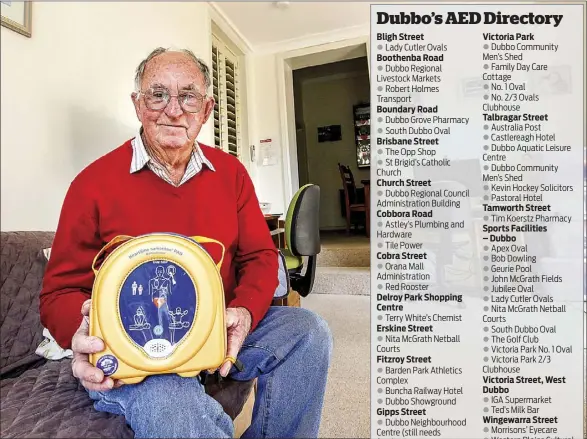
{"x": 478, "y": 222}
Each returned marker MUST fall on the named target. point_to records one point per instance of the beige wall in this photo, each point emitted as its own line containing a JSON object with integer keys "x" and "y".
{"x": 264, "y": 123}
{"x": 328, "y": 95}
{"x": 78, "y": 69}
{"x": 268, "y": 108}
{"x": 66, "y": 93}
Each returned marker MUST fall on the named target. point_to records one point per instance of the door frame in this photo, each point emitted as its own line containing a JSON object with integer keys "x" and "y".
{"x": 287, "y": 62}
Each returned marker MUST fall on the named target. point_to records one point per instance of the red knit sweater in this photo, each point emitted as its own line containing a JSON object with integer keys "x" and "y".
{"x": 106, "y": 200}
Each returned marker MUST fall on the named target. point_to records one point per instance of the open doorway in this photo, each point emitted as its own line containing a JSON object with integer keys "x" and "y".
{"x": 328, "y": 100}
{"x": 345, "y": 60}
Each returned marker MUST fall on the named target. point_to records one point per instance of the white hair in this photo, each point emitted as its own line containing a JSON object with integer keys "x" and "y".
{"x": 202, "y": 66}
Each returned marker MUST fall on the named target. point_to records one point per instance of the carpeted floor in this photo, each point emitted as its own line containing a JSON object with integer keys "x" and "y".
{"x": 346, "y": 403}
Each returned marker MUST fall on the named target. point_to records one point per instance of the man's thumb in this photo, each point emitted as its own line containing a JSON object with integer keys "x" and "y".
{"x": 86, "y": 306}
{"x": 231, "y": 354}
{"x": 231, "y": 317}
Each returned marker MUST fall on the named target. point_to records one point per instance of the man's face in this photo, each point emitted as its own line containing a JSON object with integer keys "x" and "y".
{"x": 174, "y": 74}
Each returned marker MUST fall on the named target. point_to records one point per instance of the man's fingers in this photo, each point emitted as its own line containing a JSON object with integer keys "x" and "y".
{"x": 93, "y": 378}
{"x": 80, "y": 338}
{"x": 107, "y": 384}
{"x": 85, "y": 344}
{"x": 84, "y": 370}
{"x": 82, "y": 344}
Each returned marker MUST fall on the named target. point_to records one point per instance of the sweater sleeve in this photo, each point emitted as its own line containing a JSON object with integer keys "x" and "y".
{"x": 256, "y": 256}
{"x": 68, "y": 278}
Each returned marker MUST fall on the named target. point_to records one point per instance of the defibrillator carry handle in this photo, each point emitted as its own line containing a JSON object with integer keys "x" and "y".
{"x": 123, "y": 238}
{"x": 116, "y": 240}
{"x": 204, "y": 240}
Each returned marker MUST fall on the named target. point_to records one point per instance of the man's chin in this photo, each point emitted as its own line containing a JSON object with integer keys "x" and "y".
{"x": 173, "y": 142}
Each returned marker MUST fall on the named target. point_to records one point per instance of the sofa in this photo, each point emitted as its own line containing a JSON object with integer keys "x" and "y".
{"x": 41, "y": 398}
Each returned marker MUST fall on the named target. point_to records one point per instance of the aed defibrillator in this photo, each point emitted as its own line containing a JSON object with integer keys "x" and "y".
{"x": 158, "y": 304}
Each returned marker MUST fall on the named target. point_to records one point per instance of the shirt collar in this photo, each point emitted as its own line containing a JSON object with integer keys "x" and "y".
{"x": 141, "y": 158}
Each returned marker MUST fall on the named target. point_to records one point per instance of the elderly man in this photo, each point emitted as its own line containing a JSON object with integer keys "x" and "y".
{"x": 198, "y": 190}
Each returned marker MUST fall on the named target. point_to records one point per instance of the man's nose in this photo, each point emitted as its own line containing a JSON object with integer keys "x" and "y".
{"x": 173, "y": 108}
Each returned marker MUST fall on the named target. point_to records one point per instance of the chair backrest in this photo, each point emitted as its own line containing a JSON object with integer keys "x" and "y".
{"x": 302, "y": 222}
{"x": 348, "y": 184}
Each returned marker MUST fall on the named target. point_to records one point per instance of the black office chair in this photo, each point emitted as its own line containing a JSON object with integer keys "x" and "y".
{"x": 302, "y": 238}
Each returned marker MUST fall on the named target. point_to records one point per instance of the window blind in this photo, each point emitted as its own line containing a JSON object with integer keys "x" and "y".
{"x": 226, "y": 89}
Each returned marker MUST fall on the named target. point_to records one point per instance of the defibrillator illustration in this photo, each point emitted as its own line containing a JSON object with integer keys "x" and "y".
{"x": 158, "y": 304}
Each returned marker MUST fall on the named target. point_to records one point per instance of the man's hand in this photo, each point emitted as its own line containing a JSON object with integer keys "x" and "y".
{"x": 82, "y": 344}
{"x": 238, "y": 325}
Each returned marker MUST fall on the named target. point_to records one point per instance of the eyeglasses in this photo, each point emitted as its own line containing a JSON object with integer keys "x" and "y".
{"x": 157, "y": 99}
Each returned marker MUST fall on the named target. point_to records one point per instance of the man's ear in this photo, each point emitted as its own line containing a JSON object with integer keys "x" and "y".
{"x": 137, "y": 104}
{"x": 208, "y": 108}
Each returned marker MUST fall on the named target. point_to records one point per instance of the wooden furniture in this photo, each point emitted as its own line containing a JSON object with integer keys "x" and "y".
{"x": 362, "y": 120}
{"x": 360, "y": 199}
{"x": 276, "y": 228}
{"x": 272, "y": 220}
{"x": 292, "y": 299}
{"x": 367, "y": 188}
{"x": 350, "y": 198}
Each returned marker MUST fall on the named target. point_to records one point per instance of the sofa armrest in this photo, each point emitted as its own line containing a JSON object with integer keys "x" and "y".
{"x": 22, "y": 270}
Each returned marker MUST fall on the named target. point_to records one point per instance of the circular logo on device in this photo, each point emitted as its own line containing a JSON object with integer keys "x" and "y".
{"x": 108, "y": 364}
{"x": 157, "y": 305}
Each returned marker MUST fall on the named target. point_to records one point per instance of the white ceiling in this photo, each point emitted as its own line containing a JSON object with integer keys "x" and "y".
{"x": 263, "y": 23}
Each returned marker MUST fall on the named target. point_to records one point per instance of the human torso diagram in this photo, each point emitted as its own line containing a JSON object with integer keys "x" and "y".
{"x": 159, "y": 309}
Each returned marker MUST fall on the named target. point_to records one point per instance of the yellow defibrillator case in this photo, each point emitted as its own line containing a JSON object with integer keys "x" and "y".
{"x": 158, "y": 304}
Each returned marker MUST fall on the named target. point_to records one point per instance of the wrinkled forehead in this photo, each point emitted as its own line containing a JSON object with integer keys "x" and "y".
{"x": 174, "y": 71}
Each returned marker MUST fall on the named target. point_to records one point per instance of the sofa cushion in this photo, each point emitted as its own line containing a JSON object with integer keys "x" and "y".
{"x": 49, "y": 348}
{"x": 49, "y": 402}
{"x": 22, "y": 269}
